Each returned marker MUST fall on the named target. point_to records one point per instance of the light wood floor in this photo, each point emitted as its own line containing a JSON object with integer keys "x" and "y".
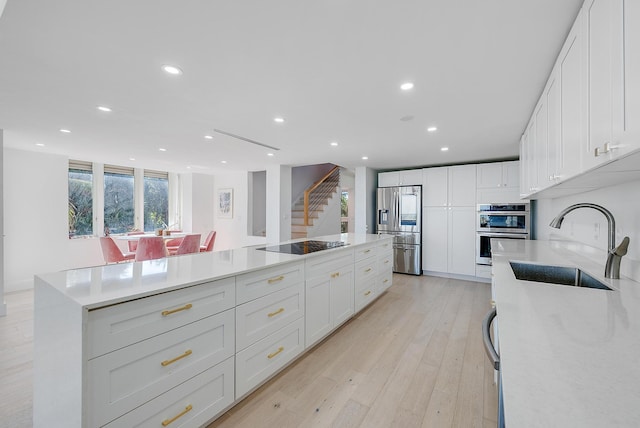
{"x": 414, "y": 358}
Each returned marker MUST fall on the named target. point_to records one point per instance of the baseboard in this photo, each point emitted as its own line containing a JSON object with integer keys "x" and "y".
{"x": 456, "y": 276}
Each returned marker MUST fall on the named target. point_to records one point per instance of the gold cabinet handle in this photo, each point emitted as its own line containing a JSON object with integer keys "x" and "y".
{"x": 276, "y": 279}
{"x": 273, "y": 314}
{"x": 493, "y": 303}
{"x": 335, "y": 275}
{"x": 385, "y": 281}
{"x": 280, "y": 349}
{"x": 182, "y": 413}
{"x": 167, "y": 362}
{"x": 386, "y": 261}
{"x": 173, "y": 311}
{"x": 367, "y": 270}
{"x": 367, "y": 251}
{"x": 367, "y": 293}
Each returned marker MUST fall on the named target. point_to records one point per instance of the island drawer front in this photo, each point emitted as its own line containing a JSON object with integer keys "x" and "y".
{"x": 264, "y": 358}
{"x": 197, "y": 401}
{"x": 124, "y": 379}
{"x": 386, "y": 247}
{"x": 124, "y": 324}
{"x": 328, "y": 264}
{"x": 252, "y": 285}
{"x": 366, "y": 292}
{"x": 366, "y": 270}
{"x": 259, "y": 318}
{"x": 385, "y": 280}
{"x": 365, "y": 251}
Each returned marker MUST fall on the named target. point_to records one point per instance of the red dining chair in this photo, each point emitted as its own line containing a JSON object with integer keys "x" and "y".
{"x": 133, "y": 244}
{"x": 208, "y": 243}
{"x": 111, "y": 251}
{"x": 190, "y": 244}
{"x": 150, "y": 247}
{"x": 173, "y": 244}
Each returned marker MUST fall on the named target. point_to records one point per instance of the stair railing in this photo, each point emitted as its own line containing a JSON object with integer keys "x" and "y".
{"x": 315, "y": 194}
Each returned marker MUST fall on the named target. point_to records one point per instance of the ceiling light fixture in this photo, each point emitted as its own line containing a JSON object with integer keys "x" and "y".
{"x": 172, "y": 69}
{"x": 40, "y": 144}
{"x": 406, "y": 86}
{"x": 65, "y": 131}
{"x": 223, "y": 161}
{"x": 208, "y": 137}
{"x": 279, "y": 119}
{"x": 132, "y": 159}
{"x": 334, "y": 144}
{"x": 270, "y": 154}
{"x": 162, "y": 149}
{"x": 104, "y": 109}
{"x": 365, "y": 157}
{"x": 432, "y": 129}
{"x": 444, "y": 149}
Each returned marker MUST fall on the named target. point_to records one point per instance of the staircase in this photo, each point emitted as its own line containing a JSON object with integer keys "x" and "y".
{"x": 317, "y": 198}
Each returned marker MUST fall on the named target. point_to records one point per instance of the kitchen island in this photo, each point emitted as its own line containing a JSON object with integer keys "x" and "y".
{"x": 185, "y": 338}
{"x": 569, "y": 356}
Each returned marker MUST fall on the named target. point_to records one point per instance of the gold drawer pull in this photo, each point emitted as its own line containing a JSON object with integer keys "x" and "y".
{"x": 167, "y": 362}
{"x": 276, "y": 279}
{"x": 386, "y": 261}
{"x": 385, "y": 281}
{"x": 280, "y": 349}
{"x": 367, "y": 251}
{"x": 367, "y": 293}
{"x": 173, "y": 311}
{"x": 182, "y": 413}
{"x": 367, "y": 270}
{"x": 335, "y": 275}
{"x": 273, "y": 314}
{"x": 493, "y": 303}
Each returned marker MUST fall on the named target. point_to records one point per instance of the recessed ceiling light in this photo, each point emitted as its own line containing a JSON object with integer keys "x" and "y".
{"x": 65, "y": 131}
{"x": 40, "y": 144}
{"x": 334, "y": 143}
{"x": 279, "y": 119}
{"x": 172, "y": 69}
{"x": 188, "y": 167}
{"x": 432, "y": 129}
{"x": 406, "y": 86}
{"x": 132, "y": 159}
{"x": 162, "y": 149}
{"x": 104, "y": 108}
{"x": 365, "y": 157}
{"x": 223, "y": 161}
{"x": 444, "y": 149}
{"x": 270, "y": 154}
{"x": 208, "y": 137}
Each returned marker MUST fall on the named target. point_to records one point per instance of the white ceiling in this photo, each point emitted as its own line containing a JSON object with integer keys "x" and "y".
{"x": 331, "y": 68}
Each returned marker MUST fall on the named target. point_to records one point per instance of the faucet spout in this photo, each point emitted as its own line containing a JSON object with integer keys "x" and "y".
{"x": 612, "y": 267}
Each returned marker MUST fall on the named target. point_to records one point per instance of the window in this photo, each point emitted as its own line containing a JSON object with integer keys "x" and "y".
{"x": 119, "y": 205}
{"x": 344, "y": 212}
{"x": 156, "y": 200}
{"x": 80, "y": 198}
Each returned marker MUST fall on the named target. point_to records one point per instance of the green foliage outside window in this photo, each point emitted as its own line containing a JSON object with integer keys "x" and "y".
{"x": 80, "y": 203}
{"x": 156, "y": 203}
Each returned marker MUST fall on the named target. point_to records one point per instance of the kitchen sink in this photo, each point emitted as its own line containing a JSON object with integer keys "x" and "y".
{"x": 561, "y": 275}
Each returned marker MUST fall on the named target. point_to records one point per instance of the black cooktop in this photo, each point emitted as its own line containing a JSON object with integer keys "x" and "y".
{"x": 303, "y": 247}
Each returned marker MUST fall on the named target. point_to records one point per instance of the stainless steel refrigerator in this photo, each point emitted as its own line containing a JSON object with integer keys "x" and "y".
{"x": 399, "y": 214}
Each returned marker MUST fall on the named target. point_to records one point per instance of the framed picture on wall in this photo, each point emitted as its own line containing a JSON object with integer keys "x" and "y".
{"x": 225, "y": 203}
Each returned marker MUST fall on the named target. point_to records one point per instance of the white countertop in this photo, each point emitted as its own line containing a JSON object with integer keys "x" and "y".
{"x": 110, "y": 284}
{"x": 570, "y": 356}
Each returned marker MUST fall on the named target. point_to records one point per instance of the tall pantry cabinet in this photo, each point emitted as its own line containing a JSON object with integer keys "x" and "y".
{"x": 448, "y": 237}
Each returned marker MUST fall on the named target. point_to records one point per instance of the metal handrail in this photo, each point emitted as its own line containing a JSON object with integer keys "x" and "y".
{"x": 307, "y": 193}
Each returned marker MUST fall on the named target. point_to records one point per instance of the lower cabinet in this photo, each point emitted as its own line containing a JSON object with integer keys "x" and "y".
{"x": 448, "y": 241}
{"x": 365, "y": 287}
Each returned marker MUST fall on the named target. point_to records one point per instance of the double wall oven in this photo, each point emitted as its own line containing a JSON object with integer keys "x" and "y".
{"x": 505, "y": 221}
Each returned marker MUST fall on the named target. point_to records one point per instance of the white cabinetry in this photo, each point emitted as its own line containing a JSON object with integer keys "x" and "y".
{"x": 330, "y": 293}
{"x": 498, "y": 182}
{"x": 410, "y": 177}
{"x": 448, "y": 238}
{"x": 366, "y": 273}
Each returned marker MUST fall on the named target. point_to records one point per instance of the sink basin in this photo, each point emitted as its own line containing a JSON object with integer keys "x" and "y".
{"x": 561, "y": 275}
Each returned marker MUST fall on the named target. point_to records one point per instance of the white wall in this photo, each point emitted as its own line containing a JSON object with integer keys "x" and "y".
{"x": 589, "y": 227}
{"x": 278, "y": 203}
{"x": 3, "y": 305}
{"x": 329, "y": 221}
{"x": 257, "y": 214}
{"x": 366, "y": 182}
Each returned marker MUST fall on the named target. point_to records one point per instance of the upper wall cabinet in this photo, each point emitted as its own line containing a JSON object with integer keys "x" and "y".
{"x": 410, "y": 177}
{"x": 449, "y": 186}
{"x": 498, "y": 182}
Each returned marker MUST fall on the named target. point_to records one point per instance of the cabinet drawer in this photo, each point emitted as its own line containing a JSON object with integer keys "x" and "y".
{"x": 252, "y": 285}
{"x": 259, "y": 318}
{"x": 366, "y": 270}
{"x": 264, "y": 358}
{"x": 385, "y": 261}
{"x": 129, "y": 377}
{"x": 328, "y": 264}
{"x": 117, "y": 326}
{"x": 384, "y": 281}
{"x": 364, "y": 251}
{"x": 385, "y": 247}
{"x": 365, "y": 294}
{"x": 192, "y": 403}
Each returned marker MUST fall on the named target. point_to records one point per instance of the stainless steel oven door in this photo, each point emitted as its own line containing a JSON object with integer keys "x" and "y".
{"x": 503, "y": 221}
{"x": 483, "y": 244}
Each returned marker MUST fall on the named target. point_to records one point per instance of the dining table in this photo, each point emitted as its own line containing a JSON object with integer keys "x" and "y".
{"x": 172, "y": 235}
